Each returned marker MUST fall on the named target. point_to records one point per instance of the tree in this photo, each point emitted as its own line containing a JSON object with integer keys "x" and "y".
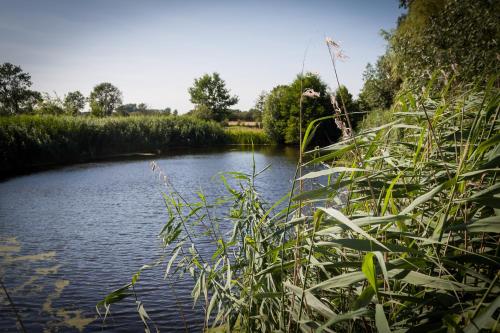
{"x": 126, "y": 109}
{"x": 282, "y": 111}
{"x": 15, "y": 95}
{"x": 211, "y": 97}
{"x": 142, "y": 107}
{"x": 344, "y": 97}
{"x": 74, "y": 102}
{"x": 381, "y": 83}
{"x": 453, "y": 37}
{"x": 258, "y": 109}
{"x": 49, "y": 105}
{"x": 104, "y": 99}
{"x": 175, "y": 113}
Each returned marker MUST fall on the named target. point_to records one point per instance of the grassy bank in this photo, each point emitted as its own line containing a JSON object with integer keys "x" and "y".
{"x": 27, "y": 142}
{"x": 247, "y": 135}
{"x": 402, "y": 237}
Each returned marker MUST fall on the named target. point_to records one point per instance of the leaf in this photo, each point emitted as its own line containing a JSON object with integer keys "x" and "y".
{"x": 340, "y": 281}
{"x": 381, "y": 262}
{"x": 428, "y": 281}
{"x": 488, "y": 224}
{"x": 329, "y": 171}
{"x": 171, "y": 261}
{"x": 425, "y": 197}
{"x": 368, "y": 220}
{"x": 311, "y": 301}
{"x": 364, "y": 298}
{"x": 381, "y": 320}
{"x": 360, "y": 245}
{"x": 369, "y": 270}
{"x": 343, "y": 219}
{"x": 484, "y": 320}
{"x": 346, "y": 316}
{"x": 311, "y": 129}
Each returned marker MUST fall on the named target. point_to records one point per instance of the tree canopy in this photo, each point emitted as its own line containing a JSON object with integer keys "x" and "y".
{"x": 211, "y": 98}
{"x": 456, "y": 37}
{"x": 74, "y": 102}
{"x": 104, "y": 99}
{"x": 282, "y": 110}
{"x": 15, "y": 94}
{"x": 452, "y": 38}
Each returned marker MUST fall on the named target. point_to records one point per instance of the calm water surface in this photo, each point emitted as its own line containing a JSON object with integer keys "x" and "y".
{"x": 69, "y": 236}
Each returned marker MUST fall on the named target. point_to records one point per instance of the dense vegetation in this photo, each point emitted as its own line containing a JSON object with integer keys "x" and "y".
{"x": 402, "y": 232}
{"x": 30, "y": 141}
{"x": 287, "y": 110}
{"x": 454, "y": 37}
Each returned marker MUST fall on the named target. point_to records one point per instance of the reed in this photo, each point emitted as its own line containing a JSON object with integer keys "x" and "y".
{"x": 247, "y": 136}
{"x": 31, "y": 141}
{"x": 424, "y": 256}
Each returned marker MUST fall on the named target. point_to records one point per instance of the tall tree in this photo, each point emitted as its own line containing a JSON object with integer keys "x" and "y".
{"x": 15, "y": 94}
{"x": 104, "y": 99}
{"x": 211, "y": 97}
{"x": 74, "y": 102}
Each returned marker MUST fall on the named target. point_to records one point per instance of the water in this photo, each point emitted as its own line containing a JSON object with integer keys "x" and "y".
{"x": 70, "y": 236}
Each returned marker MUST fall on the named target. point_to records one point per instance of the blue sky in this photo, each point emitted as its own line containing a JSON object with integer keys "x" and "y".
{"x": 153, "y": 50}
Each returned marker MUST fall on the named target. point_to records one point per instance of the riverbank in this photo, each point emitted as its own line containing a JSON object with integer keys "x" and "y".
{"x": 32, "y": 142}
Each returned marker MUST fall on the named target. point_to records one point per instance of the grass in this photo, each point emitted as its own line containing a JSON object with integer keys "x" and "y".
{"x": 30, "y": 141}
{"x": 402, "y": 237}
{"x": 247, "y": 135}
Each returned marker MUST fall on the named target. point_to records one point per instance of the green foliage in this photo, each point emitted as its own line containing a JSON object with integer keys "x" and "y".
{"x": 50, "y": 106}
{"x": 282, "y": 110}
{"x": 74, "y": 102}
{"x": 454, "y": 37}
{"x": 344, "y": 97}
{"x": 211, "y": 97}
{"x": 140, "y": 109}
{"x": 104, "y": 99}
{"x": 15, "y": 95}
{"x": 30, "y": 141}
{"x": 457, "y": 37}
{"x": 246, "y": 136}
{"x": 250, "y": 115}
{"x": 402, "y": 236}
{"x": 380, "y": 85}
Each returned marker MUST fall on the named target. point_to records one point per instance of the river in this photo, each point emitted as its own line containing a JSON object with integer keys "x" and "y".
{"x": 71, "y": 235}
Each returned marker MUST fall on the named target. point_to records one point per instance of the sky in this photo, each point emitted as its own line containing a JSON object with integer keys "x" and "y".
{"x": 153, "y": 50}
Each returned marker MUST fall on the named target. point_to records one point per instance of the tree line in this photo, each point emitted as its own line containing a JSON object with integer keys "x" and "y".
{"x": 17, "y": 97}
{"x": 435, "y": 40}
{"x": 277, "y": 110}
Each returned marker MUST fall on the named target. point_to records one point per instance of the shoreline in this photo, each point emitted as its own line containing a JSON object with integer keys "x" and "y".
{"x": 178, "y": 150}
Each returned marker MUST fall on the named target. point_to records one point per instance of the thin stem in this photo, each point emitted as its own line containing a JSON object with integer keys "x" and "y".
{"x": 11, "y": 303}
